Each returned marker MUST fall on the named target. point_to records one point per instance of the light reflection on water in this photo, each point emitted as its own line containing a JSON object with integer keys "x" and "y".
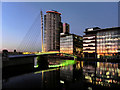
{"x": 83, "y": 75}
{"x": 102, "y": 73}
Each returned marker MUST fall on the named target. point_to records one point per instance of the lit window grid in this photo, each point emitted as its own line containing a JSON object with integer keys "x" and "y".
{"x": 89, "y": 44}
{"x": 84, "y": 48}
{"x": 90, "y": 37}
{"x": 107, "y": 42}
{"x": 66, "y": 44}
{"x": 93, "y": 44}
{"x": 88, "y": 40}
{"x": 71, "y": 44}
{"x": 88, "y": 51}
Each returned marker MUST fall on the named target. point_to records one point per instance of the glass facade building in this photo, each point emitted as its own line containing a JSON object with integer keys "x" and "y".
{"x": 102, "y": 43}
{"x": 71, "y": 44}
{"x": 108, "y": 43}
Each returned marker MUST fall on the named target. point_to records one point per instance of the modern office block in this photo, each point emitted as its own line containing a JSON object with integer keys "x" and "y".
{"x": 108, "y": 42}
{"x": 102, "y": 43}
{"x": 71, "y": 44}
{"x": 89, "y": 42}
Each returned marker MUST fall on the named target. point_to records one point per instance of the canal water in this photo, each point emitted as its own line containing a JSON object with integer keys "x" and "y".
{"x": 81, "y": 75}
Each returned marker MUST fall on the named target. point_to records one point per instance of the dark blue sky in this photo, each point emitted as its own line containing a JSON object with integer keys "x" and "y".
{"x": 17, "y": 18}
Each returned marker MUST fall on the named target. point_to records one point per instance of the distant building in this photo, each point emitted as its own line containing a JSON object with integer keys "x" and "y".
{"x": 52, "y": 29}
{"x": 71, "y": 44}
{"x": 102, "y": 43}
{"x": 4, "y": 53}
{"x": 66, "y": 28}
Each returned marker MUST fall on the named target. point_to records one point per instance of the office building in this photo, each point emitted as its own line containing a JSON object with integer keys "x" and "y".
{"x": 71, "y": 44}
{"x": 52, "y": 29}
{"x": 89, "y": 42}
{"x": 106, "y": 42}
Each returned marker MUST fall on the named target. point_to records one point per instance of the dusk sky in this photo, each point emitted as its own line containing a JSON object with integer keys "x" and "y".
{"x": 17, "y": 18}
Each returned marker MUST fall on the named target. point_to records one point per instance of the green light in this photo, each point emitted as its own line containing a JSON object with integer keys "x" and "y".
{"x": 46, "y": 70}
{"x": 36, "y": 66}
{"x": 56, "y": 53}
{"x": 64, "y": 63}
{"x": 50, "y": 66}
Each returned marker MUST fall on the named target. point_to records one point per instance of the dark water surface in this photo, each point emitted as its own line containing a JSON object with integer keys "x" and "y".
{"x": 83, "y": 75}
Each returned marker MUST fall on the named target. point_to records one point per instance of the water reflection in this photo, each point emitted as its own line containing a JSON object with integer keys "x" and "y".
{"x": 66, "y": 73}
{"x": 107, "y": 74}
{"x": 83, "y": 75}
{"x": 102, "y": 73}
{"x": 40, "y": 79}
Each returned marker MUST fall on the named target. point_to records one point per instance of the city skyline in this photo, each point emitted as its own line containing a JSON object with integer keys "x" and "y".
{"x": 79, "y": 16}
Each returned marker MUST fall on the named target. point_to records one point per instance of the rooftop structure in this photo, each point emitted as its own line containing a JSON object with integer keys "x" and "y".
{"x": 53, "y": 11}
{"x": 66, "y": 28}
